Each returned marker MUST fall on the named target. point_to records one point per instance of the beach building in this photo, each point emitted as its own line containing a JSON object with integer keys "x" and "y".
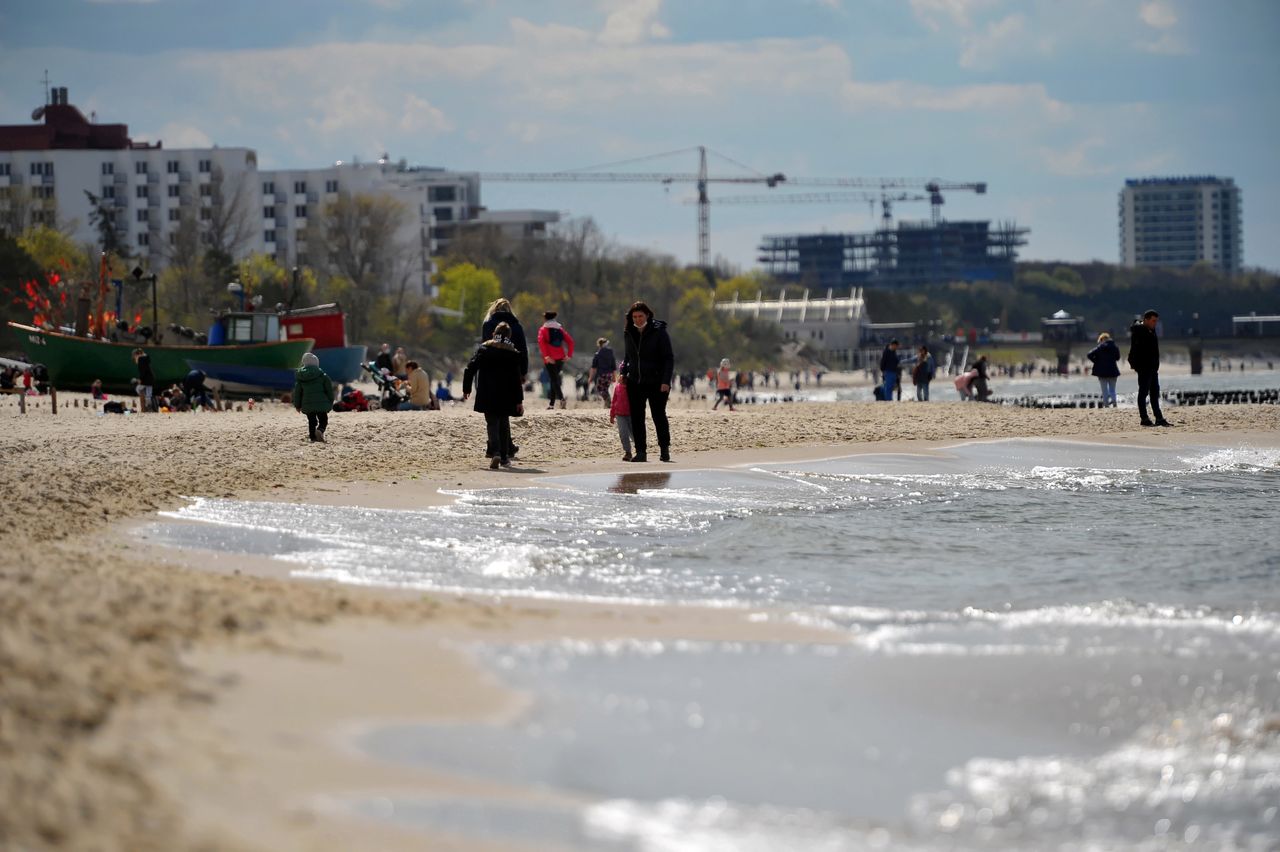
{"x": 63, "y": 170}
{"x": 1181, "y": 221}
{"x": 834, "y": 326}
{"x": 907, "y": 256}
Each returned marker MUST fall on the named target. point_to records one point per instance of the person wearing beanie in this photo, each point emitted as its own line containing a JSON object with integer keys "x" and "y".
{"x": 313, "y": 396}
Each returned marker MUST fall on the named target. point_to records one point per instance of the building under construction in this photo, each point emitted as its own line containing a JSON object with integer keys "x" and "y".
{"x": 908, "y": 256}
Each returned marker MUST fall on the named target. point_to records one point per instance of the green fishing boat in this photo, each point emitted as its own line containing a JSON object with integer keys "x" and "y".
{"x": 235, "y": 366}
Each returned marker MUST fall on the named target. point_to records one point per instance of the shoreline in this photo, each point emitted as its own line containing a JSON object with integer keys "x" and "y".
{"x": 98, "y": 633}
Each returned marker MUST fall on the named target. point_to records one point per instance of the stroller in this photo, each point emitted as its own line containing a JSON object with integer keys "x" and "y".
{"x": 389, "y": 396}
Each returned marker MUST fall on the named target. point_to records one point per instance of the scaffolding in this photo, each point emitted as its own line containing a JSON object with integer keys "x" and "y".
{"x": 909, "y": 256}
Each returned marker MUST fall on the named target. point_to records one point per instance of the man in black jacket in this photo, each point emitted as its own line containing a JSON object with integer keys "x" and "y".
{"x": 1144, "y": 358}
{"x": 890, "y": 368}
{"x": 648, "y": 365}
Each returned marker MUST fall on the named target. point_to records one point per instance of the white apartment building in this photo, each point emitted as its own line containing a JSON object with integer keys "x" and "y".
{"x": 46, "y": 169}
{"x": 1178, "y": 222}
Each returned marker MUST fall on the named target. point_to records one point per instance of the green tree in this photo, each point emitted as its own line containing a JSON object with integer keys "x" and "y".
{"x": 54, "y": 251}
{"x": 102, "y": 215}
{"x": 469, "y": 289}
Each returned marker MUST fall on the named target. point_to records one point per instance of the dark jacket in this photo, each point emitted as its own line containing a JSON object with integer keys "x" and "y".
{"x": 648, "y": 358}
{"x": 517, "y": 335}
{"x": 312, "y": 390}
{"x": 495, "y": 372}
{"x": 145, "y": 376}
{"x": 889, "y": 361}
{"x": 1106, "y": 359}
{"x": 384, "y": 362}
{"x": 1144, "y": 348}
{"x": 604, "y": 362}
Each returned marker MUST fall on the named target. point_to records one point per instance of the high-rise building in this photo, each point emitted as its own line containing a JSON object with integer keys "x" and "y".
{"x": 1178, "y": 222}
{"x": 69, "y": 172}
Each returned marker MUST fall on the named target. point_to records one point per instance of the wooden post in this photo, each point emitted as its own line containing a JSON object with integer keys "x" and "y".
{"x": 22, "y": 402}
{"x": 53, "y": 398}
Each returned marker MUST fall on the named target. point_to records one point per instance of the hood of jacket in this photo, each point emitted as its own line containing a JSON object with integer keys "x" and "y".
{"x": 310, "y": 373}
{"x": 652, "y": 323}
{"x": 552, "y": 324}
{"x": 499, "y": 343}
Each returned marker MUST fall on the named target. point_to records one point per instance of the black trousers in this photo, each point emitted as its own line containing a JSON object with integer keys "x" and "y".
{"x": 554, "y": 369}
{"x": 1149, "y": 385}
{"x": 639, "y": 394}
{"x": 499, "y": 426}
{"x": 318, "y": 421}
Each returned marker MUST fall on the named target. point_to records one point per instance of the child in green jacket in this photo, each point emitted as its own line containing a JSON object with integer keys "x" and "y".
{"x": 313, "y": 396}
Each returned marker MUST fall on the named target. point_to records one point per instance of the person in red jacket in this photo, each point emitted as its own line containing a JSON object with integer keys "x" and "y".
{"x": 556, "y": 347}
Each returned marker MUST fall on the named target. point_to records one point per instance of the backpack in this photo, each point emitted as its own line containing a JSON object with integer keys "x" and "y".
{"x": 555, "y": 337}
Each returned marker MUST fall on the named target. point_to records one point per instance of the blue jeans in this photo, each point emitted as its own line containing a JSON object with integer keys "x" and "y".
{"x": 922, "y": 392}
{"x": 1108, "y": 384}
{"x": 890, "y": 382}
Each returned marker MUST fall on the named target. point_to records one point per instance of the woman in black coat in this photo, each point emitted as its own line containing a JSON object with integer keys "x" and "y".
{"x": 648, "y": 365}
{"x": 1106, "y": 366}
{"x": 500, "y": 311}
{"x": 495, "y": 371}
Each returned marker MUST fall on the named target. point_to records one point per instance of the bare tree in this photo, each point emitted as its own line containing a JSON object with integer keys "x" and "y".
{"x": 231, "y": 225}
{"x": 358, "y": 240}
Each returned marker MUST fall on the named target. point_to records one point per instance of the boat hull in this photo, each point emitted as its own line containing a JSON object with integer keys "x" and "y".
{"x": 341, "y": 363}
{"x": 74, "y": 362}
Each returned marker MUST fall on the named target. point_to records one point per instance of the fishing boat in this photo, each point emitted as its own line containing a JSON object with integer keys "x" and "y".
{"x": 246, "y": 353}
{"x": 326, "y": 325}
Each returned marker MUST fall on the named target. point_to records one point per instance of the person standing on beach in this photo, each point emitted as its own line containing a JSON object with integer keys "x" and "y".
{"x": 981, "y": 390}
{"x": 384, "y": 361}
{"x": 603, "y": 367}
{"x": 889, "y": 368}
{"x": 724, "y": 385}
{"x": 494, "y": 371}
{"x": 1144, "y": 358}
{"x": 146, "y": 379}
{"x": 556, "y": 347}
{"x": 1106, "y": 366}
{"x": 500, "y": 311}
{"x": 313, "y": 396}
{"x": 923, "y": 373}
{"x": 620, "y": 414}
{"x": 648, "y": 364}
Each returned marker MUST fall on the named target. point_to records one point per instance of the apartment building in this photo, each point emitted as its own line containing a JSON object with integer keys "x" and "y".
{"x": 1180, "y": 221}
{"x": 46, "y": 169}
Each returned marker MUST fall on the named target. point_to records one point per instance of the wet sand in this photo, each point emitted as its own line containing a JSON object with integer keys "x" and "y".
{"x": 134, "y": 689}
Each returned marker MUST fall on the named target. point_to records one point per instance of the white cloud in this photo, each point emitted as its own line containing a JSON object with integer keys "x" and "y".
{"x": 1158, "y": 14}
{"x": 937, "y": 14}
{"x": 1030, "y": 100}
{"x": 1074, "y": 160}
{"x": 178, "y": 135}
{"x": 981, "y": 49}
{"x": 634, "y": 22}
{"x": 420, "y": 117}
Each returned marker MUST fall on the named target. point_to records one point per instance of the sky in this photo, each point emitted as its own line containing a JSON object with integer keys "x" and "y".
{"x": 1052, "y": 103}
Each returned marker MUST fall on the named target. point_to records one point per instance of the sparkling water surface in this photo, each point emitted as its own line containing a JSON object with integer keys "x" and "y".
{"x": 1036, "y": 644}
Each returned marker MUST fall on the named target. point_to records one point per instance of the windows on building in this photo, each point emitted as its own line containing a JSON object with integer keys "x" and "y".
{"x": 269, "y": 236}
{"x": 42, "y": 168}
{"x": 299, "y": 187}
{"x": 443, "y": 214}
{"x": 144, "y": 240}
{"x": 108, "y": 192}
{"x": 140, "y": 191}
{"x": 205, "y": 166}
{"x": 175, "y": 191}
{"x": 175, "y": 215}
{"x": 141, "y": 215}
{"x": 300, "y": 211}
{"x": 269, "y": 187}
{"x": 442, "y": 193}
{"x": 206, "y": 190}
{"x": 205, "y": 214}
{"x": 268, "y": 212}
{"x": 108, "y": 168}
{"x": 171, "y": 167}
{"x": 140, "y": 167}
{"x": 331, "y": 186}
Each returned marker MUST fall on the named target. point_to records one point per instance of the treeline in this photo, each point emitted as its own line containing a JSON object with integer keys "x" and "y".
{"x": 1106, "y": 295}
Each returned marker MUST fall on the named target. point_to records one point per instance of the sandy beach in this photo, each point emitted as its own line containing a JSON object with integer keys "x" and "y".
{"x": 146, "y": 703}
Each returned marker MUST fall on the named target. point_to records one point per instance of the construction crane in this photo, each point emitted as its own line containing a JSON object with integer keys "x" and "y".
{"x": 886, "y": 200}
{"x": 933, "y": 186}
{"x": 701, "y": 179}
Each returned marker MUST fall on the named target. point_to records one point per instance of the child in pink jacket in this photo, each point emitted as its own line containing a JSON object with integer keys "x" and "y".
{"x": 620, "y": 413}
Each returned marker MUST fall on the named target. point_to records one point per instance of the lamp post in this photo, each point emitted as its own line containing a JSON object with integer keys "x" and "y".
{"x": 155, "y": 304}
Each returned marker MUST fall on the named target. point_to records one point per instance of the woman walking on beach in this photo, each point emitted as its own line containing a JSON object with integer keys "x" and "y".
{"x": 648, "y": 365}
{"x": 495, "y": 372}
{"x": 1106, "y": 366}
{"x": 500, "y": 311}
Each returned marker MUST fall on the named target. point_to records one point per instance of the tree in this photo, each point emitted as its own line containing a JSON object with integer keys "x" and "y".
{"x": 54, "y": 251}
{"x": 468, "y": 289}
{"x": 102, "y": 216}
{"x": 357, "y": 239}
{"x": 230, "y": 226}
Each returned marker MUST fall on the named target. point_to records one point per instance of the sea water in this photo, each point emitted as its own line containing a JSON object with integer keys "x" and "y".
{"x": 1035, "y": 645}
